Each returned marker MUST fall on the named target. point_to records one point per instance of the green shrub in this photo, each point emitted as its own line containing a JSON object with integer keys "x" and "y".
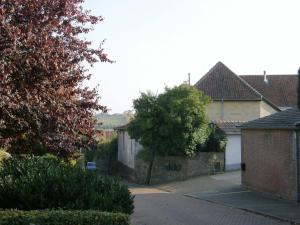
{"x": 144, "y": 154}
{"x": 104, "y": 149}
{"x": 46, "y": 182}
{"x": 61, "y": 217}
{"x": 216, "y": 141}
{"x": 105, "y": 154}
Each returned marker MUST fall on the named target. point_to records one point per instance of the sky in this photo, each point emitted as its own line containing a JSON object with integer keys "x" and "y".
{"x": 156, "y": 43}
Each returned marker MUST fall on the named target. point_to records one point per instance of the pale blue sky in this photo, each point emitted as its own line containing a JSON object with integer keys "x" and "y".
{"x": 157, "y": 42}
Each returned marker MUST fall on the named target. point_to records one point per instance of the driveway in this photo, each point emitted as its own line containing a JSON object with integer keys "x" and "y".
{"x": 170, "y": 204}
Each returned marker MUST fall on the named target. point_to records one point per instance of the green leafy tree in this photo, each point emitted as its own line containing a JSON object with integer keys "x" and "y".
{"x": 172, "y": 123}
{"x": 216, "y": 141}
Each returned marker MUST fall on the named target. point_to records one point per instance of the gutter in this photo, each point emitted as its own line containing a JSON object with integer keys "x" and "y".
{"x": 297, "y": 155}
{"x": 297, "y": 142}
{"x": 298, "y": 165}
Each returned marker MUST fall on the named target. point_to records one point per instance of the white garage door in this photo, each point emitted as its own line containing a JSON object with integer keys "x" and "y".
{"x": 233, "y": 152}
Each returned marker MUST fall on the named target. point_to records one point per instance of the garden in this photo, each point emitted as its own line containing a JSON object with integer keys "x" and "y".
{"x": 47, "y": 119}
{"x": 48, "y": 190}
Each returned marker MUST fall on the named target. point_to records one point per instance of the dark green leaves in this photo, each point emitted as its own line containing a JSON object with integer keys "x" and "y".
{"x": 62, "y": 217}
{"x": 172, "y": 123}
{"x": 48, "y": 183}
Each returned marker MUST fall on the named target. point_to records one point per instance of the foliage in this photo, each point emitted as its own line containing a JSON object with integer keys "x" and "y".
{"x": 62, "y": 217}
{"x": 43, "y": 105}
{"x": 105, "y": 151}
{"x": 4, "y": 155}
{"x": 33, "y": 182}
{"x": 216, "y": 141}
{"x": 172, "y": 123}
{"x": 144, "y": 154}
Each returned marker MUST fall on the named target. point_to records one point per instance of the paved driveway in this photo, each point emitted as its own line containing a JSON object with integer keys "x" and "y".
{"x": 168, "y": 204}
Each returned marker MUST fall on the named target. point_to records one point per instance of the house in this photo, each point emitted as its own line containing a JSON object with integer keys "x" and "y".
{"x": 128, "y": 149}
{"x": 238, "y": 99}
{"x": 166, "y": 168}
{"x": 271, "y": 155}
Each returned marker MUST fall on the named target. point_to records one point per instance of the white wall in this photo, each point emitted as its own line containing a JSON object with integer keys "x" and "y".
{"x": 233, "y": 152}
{"x": 127, "y": 149}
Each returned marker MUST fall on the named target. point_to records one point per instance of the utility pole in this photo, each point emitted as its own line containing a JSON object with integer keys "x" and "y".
{"x": 189, "y": 79}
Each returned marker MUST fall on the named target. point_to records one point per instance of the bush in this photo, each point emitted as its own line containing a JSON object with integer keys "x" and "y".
{"x": 216, "y": 141}
{"x": 104, "y": 150}
{"x": 61, "y": 217}
{"x": 4, "y": 155}
{"x": 105, "y": 154}
{"x": 46, "y": 182}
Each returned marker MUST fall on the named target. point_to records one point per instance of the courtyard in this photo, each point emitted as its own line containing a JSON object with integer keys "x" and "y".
{"x": 209, "y": 200}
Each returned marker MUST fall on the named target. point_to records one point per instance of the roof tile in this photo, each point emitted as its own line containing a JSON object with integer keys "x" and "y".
{"x": 279, "y": 89}
{"x": 282, "y": 120}
{"x": 220, "y": 83}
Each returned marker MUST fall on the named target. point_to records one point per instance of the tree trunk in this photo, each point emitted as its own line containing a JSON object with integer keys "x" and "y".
{"x": 149, "y": 172}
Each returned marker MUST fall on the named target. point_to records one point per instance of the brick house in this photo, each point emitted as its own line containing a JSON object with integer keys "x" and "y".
{"x": 238, "y": 99}
{"x": 270, "y": 154}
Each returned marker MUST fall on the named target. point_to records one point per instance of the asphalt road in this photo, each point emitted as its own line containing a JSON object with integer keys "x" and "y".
{"x": 167, "y": 205}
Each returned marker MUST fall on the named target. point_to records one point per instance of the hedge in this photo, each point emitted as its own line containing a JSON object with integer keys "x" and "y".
{"x": 37, "y": 183}
{"x": 62, "y": 217}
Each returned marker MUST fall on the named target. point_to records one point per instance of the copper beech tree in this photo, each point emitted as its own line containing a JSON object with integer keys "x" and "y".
{"x": 43, "y": 105}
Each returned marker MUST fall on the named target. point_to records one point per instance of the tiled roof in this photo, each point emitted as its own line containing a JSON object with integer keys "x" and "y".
{"x": 279, "y": 89}
{"x": 220, "y": 83}
{"x": 281, "y": 120}
{"x": 229, "y": 126}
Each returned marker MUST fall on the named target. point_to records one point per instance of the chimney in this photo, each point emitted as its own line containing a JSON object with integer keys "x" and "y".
{"x": 265, "y": 77}
{"x": 298, "y": 94}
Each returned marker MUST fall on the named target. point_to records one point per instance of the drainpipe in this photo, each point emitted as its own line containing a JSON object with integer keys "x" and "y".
{"x": 222, "y": 109}
{"x": 298, "y": 91}
{"x": 298, "y": 166}
{"x": 297, "y": 143}
{"x": 297, "y": 155}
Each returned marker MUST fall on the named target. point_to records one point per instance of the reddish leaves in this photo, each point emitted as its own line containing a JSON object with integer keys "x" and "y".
{"x": 42, "y": 104}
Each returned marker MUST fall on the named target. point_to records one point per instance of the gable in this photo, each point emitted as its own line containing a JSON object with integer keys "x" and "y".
{"x": 220, "y": 83}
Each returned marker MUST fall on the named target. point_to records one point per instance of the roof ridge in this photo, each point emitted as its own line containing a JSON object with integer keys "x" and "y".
{"x": 223, "y": 65}
{"x": 243, "y": 90}
{"x": 230, "y": 121}
{"x": 246, "y": 83}
{"x": 267, "y": 75}
{"x": 271, "y": 89}
{"x": 262, "y": 96}
{"x": 210, "y": 71}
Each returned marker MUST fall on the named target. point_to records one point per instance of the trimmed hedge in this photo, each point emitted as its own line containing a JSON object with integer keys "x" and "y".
{"x": 35, "y": 183}
{"x": 62, "y": 217}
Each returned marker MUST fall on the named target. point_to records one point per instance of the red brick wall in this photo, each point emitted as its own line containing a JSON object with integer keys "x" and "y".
{"x": 268, "y": 155}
